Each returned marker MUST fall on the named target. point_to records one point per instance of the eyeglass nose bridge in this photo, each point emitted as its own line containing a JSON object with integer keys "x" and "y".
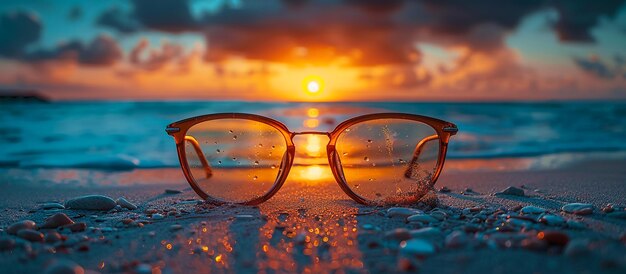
{"x": 293, "y": 134}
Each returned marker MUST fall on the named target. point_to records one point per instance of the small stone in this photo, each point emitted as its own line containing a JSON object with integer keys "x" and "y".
{"x": 417, "y": 247}
{"x": 578, "y": 208}
{"x": 421, "y": 218}
{"x": 426, "y": 232}
{"x": 25, "y": 224}
{"x": 125, "y": 204}
{"x": 47, "y": 206}
{"x": 77, "y": 227}
{"x": 57, "y": 220}
{"x": 553, "y": 237}
{"x": 244, "y": 217}
{"x": 576, "y": 247}
{"x": 456, "y": 239}
{"x": 617, "y": 215}
{"x": 172, "y": 191}
{"x": 143, "y": 269}
{"x": 576, "y": 224}
{"x": 91, "y": 202}
{"x": 402, "y": 212}
{"x": 52, "y": 237}
{"x": 553, "y": 220}
{"x": 400, "y": 234}
{"x": 64, "y": 267}
{"x": 30, "y": 235}
{"x": 6, "y": 244}
{"x": 157, "y": 216}
{"x": 176, "y": 227}
{"x": 608, "y": 208}
{"x": 532, "y": 210}
{"x": 439, "y": 215}
{"x": 444, "y": 189}
{"x": 513, "y": 191}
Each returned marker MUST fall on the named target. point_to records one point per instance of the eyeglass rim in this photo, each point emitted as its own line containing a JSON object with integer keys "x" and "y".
{"x": 179, "y": 129}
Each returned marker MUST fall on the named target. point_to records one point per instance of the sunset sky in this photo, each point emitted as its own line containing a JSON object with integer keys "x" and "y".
{"x": 344, "y": 50}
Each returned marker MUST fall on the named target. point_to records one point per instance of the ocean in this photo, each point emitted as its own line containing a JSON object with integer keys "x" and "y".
{"x": 129, "y": 135}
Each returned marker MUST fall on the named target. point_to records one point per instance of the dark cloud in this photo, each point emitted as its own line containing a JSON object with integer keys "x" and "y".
{"x": 355, "y": 32}
{"x": 18, "y": 30}
{"x": 115, "y": 18}
{"x": 102, "y": 51}
{"x": 576, "y": 18}
{"x": 599, "y": 68}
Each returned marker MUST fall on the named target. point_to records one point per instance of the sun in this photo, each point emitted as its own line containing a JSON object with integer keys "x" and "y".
{"x": 313, "y": 84}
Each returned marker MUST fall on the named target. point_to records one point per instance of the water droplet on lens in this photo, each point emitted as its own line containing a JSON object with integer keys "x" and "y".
{"x": 347, "y": 130}
{"x": 369, "y": 141}
{"x": 270, "y": 154}
{"x": 235, "y": 137}
{"x": 255, "y": 177}
{"x": 234, "y": 159}
{"x": 230, "y": 131}
{"x": 402, "y": 161}
{"x": 256, "y": 163}
{"x": 215, "y": 142}
{"x": 273, "y": 147}
{"x": 356, "y": 186}
{"x": 219, "y": 162}
{"x": 273, "y": 166}
{"x": 218, "y": 151}
{"x": 260, "y": 145}
{"x": 345, "y": 153}
{"x": 371, "y": 179}
{"x": 373, "y": 164}
{"x": 367, "y": 159}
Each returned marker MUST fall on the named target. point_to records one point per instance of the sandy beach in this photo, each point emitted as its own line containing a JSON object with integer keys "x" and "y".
{"x": 311, "y": 226}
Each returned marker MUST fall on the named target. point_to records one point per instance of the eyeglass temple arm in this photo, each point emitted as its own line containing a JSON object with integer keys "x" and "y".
{"x": 416, "y": 154}
{"x": 198, "y": 149}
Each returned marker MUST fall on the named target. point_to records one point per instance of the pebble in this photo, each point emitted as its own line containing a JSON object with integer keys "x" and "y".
{"x": 553, "y": 237}
{"x": 576, "y": 224}
{"x": 421, "y": 218}
{"x": 47, "y": 206}
{"x": 426, "y": 232}
{"x": 578, "y": 208}
{"x": 25, "y": 224}
{"x": 77, "y": 227}
{"x": 91, "y": 202}
{"x": 402, "y": 212}
{"x": 576, "y": 247}
{"x": 6, "y": 244}
{"x": 64, "y": 267}
{"x": 553, "y": 220}
{"x": 456, "y": 239}
{"x": 400, "y": 234}
{"x": 157, "y": 216}
{"x": 532, "y": 210}
{"x": 143, "y": 269}
{"x": 30, "y": 235}
{"x": 617, "y": 214}
{"x": 513, "y": 191}
{"x": 52, "y": 237}
{"x": 172, "y": 191}
{"x": 125, "y": 203}
{"x": 57, "y": 220}
{"x": 419, "y": 247}
{"x": 176, "y": 227}
{"x": 608, "y": 208}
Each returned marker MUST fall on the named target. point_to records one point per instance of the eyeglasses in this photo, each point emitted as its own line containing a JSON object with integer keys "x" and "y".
{"x": 384, "y": 158}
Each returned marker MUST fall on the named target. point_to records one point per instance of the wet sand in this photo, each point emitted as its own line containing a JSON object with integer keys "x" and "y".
{"x": 311, "y": 226}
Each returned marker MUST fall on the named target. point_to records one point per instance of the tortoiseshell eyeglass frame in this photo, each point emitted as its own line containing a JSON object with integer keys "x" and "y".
{"x": 179, "y": 129}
